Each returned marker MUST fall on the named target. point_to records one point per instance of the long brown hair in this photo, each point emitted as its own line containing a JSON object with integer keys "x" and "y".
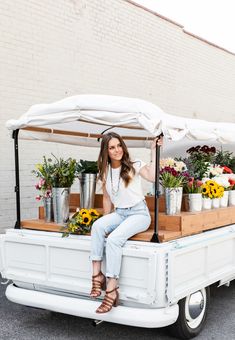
{"x": 127, "y": 169}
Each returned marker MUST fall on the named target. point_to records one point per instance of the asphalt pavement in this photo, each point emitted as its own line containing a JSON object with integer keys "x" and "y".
{"x": 23, "y": 323}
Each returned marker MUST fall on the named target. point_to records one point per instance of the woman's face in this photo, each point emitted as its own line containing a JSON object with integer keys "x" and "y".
{"x": 115, "y": 150}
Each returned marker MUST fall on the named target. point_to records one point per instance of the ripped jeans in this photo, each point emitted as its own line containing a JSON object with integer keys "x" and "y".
{"x": 119, "y": 226}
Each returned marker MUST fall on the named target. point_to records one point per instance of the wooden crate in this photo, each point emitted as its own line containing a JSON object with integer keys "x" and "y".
{"x": 170, "y": 227}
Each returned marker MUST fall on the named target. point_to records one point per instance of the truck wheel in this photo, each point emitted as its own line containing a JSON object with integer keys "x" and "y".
{"x": 192, "y": 314}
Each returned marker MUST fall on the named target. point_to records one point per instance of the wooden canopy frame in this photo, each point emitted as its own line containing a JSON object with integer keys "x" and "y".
{"x": 15, "y": 135}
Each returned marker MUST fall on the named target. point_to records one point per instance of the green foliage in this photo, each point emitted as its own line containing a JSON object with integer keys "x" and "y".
{"x": 193, "y": 187}
{"x": 225, "y": 158}
{"x": 44, "y": 171}
{"x": 197, "y": 166}
{"x": 63, "y": 172}
{"x": 167, "y": 180}
{"x": 199, "y": 160}
{"x": 86, "y": 167}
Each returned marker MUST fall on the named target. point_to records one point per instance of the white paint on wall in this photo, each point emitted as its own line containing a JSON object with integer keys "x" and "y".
{"x": 52, "y": 50}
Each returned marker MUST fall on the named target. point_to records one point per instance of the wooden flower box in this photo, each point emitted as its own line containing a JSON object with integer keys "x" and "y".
{"x": 170, "y": 227}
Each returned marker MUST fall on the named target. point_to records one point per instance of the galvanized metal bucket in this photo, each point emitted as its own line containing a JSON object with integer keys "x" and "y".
{"x": 173, "y": 199}
{"x": 87, "y": 190}
{"x": 61, "y": 204}
{"x": 48, "y": 209}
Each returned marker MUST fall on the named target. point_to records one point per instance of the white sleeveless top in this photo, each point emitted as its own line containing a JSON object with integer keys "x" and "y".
{"x": 121, "y": 196}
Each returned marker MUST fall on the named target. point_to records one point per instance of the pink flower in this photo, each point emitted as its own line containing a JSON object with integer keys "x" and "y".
{"x": 41, "y": 182}
{"x": 38, "y": 198}
{"x": 37, "y": 186}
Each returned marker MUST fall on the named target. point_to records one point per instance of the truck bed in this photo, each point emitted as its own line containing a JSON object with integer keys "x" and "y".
{"x": 170, "y": 227}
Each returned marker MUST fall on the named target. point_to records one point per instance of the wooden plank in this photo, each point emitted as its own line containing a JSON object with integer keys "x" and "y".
{"x": 75, "y": 201}
{"x": 41, "y": 225}
{"x": 208, "y": 219}
{"x": 167, "y": 235}
{"x": 170, "y": 223}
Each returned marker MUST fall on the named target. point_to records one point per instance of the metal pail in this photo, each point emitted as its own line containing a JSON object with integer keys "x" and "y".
{"x": 87, "y": 190}
{"x": 61, "y": 204}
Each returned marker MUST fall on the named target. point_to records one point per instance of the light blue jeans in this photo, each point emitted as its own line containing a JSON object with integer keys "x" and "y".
{"x": 119, "y": 226}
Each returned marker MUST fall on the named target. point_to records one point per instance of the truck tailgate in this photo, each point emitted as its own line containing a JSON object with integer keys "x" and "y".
{"x": 47, "y": 260}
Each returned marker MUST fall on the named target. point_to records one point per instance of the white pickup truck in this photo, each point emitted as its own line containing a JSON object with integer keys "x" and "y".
{"x": 161, "y": 284}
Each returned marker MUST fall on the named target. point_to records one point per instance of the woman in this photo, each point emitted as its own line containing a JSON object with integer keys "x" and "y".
{"x": 121, "y": 179}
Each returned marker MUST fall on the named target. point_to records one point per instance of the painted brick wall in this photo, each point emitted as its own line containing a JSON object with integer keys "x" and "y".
{"x": 49, "y": 50}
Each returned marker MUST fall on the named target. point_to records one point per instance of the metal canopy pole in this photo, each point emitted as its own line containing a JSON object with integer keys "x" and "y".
{"x": 17, "y": 178}
{"x": 155, "y": 237}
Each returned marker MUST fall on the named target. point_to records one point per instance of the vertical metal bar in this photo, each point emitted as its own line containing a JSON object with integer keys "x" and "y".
{"x": 17, "y": 178}
{"x": 155, "y": 237}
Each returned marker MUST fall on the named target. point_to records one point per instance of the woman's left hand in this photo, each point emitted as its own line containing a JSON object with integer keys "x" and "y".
{"x": 157, "y": 141}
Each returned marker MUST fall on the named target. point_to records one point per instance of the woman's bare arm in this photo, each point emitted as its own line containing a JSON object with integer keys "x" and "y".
{"x": 107, "y": 204}
{"x": 148, "y": 171}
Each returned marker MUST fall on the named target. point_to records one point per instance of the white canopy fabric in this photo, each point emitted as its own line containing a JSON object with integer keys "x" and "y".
{"x": 130, "y": 117}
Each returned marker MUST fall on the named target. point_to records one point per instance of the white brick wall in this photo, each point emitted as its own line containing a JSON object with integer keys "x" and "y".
{"x": 49, "y": 50}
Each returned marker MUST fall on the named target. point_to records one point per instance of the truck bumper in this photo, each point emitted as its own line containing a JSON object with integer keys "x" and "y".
{"x": 138, "y": 317}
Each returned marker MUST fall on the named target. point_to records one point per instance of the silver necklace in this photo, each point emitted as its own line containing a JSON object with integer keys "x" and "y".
{"x": 113, "y": 190}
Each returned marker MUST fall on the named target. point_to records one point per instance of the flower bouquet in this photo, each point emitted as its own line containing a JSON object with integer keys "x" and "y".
{"x": 231, "y": 196}
{"x": 199, "y": 159}
{"x": 193, "y": 186}
{"x": 43, "y": 171}
{"x": 81, "y": 222}
{"x": 212, "y": 192}
{"x": 172, "y": 177}
{"x": 193, "y": 197}
{"x": 211, "y": 189}
{"x": 173, "y": 174}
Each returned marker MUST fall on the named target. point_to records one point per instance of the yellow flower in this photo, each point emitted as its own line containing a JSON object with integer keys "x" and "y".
{"x": 212, "y": 183}
{"x": 94, "y": 212}
{"x": 72, "y": 227}
{"x": 83, "y": 211}
{"x": 205, "y": 189}
{"x": 86, "y": 218}
{"x": 39, "y": 167}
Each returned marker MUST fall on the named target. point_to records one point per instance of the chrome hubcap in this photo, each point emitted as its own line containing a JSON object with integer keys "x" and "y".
{"x": 195, "y": 306}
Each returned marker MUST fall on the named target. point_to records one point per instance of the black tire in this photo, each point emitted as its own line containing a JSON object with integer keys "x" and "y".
{"x": 189, "y": 323}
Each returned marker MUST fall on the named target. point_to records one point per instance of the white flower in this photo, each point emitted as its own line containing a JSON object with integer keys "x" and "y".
{"x": 180, "y": 166}
{"x": 222, "y": 180}
{"x": 171, "y": 162}
{"x": 214, "y": 170}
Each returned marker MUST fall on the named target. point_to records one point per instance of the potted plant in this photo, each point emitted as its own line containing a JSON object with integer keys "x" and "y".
{"x": 211, "y": 192}
{"x": 62, "y": 178}
{"x": 172, "y": 177}
{"x": 223, "y": 181}
{"x": 231, "y": 197}
{"x": 199, "y": 159}
{"x": 193, "y": 189}
{"x": 87, "y": 175}
{"x": 43, "y": 172}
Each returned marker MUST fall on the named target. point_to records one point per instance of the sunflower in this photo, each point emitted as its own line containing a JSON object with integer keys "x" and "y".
{"x": 211, "y": 183}
{"x": 83, "y": 211}
{"x": 94, "y": 212}
{"x": 86, "y": 219}
{"x": 205, "y": 190}
{"x": 215, "y": 192}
